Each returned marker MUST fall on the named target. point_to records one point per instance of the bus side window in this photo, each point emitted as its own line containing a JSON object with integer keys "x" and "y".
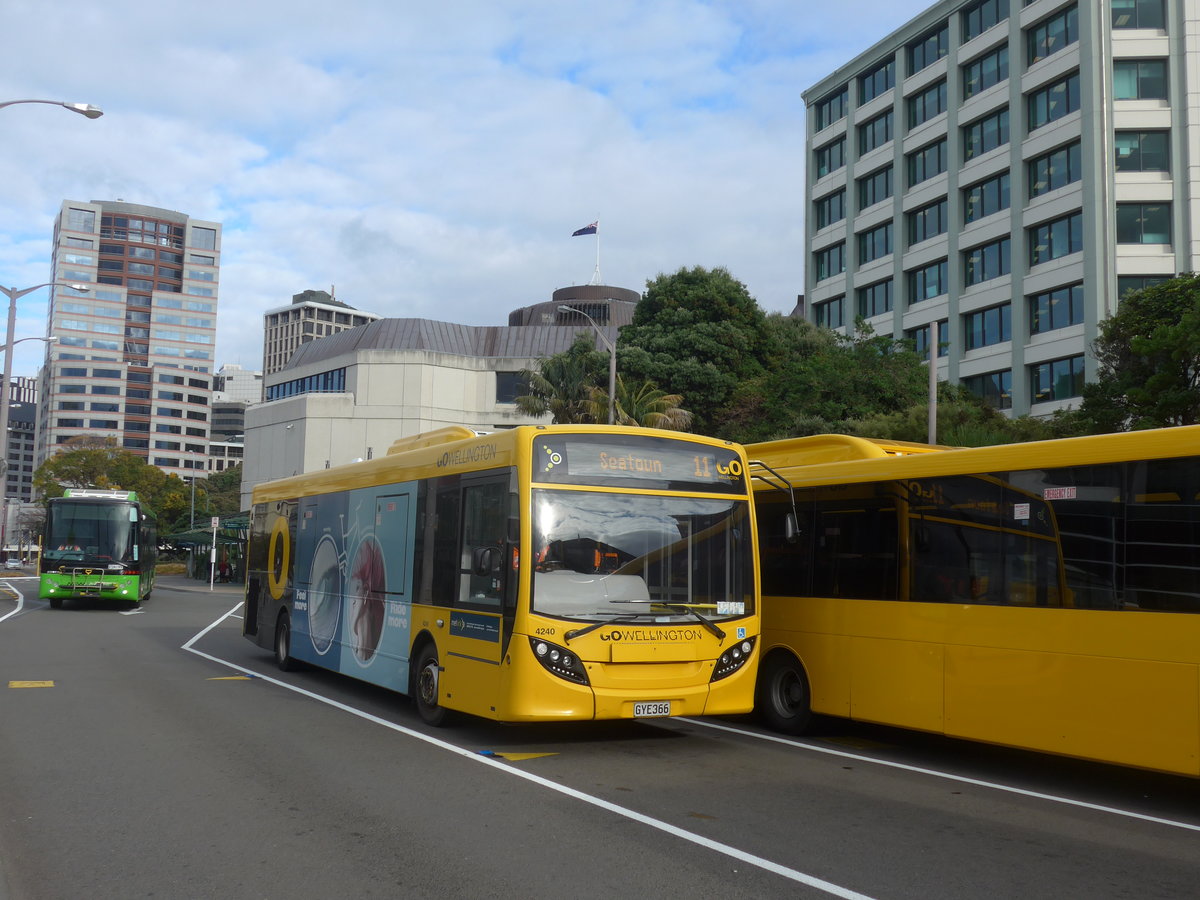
{"x": 484, "y": 529}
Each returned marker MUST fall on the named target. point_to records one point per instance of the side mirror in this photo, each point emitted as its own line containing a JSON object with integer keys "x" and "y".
{"x": 791, "y": 530}
{"x": 485, "y": 560}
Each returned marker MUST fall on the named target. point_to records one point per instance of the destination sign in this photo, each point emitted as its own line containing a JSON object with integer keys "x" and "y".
{"x": 651, "y": 462}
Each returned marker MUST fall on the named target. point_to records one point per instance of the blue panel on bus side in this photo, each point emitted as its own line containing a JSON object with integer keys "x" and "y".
{"x": 378, "y": 586}
{"x": 319, "y": 578}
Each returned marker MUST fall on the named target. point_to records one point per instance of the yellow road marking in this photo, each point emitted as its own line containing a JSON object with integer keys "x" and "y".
{"x": 231, "y": 678}
{"x": 516, "y": 757}
{"x": 30, "y": 684}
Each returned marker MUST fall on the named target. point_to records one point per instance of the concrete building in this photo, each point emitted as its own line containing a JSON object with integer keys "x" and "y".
{"x": 310, "y": 315}
{"x": 234, "y": 383}
{"x": 350, "y": 395}
{"x": 134, "y": 354}
{"x": 1005, "y": 169}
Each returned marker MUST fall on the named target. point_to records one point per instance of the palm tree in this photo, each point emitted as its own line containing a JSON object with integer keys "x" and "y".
{"x": 563, "y": 385}
{"x": 642, "y": 404}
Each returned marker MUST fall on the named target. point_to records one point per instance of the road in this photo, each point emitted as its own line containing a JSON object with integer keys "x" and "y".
{"x": 157, "y": 753}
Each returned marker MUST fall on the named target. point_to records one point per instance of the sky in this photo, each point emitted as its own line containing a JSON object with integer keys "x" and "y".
{"x": 421, "y": 159}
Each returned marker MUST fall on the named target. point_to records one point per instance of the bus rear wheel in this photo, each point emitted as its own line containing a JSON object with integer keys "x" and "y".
{"x": 283, "y": 643}
{"x": 425, "y": 686}
{"x": 782, "y": 695}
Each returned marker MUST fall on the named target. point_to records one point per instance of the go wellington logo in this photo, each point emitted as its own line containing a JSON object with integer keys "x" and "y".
{"x": 553, "y": 458}
{"x": 478, "y": 453}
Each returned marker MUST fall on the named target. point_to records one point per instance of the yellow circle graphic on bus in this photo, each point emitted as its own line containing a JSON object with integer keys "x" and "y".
{"x": 277, "y": 582}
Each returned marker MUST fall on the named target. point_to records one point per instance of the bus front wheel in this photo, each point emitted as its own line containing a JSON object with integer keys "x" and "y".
{"x": 782, "y": 695}
{"x": 283, "y": 643}
{"x": 425, "y": 686}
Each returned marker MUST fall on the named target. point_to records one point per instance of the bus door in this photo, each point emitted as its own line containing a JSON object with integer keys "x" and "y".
{"x": 474, "y": 641}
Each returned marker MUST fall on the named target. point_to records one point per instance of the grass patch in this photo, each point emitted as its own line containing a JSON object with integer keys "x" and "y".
{"x": 175, "y": 568}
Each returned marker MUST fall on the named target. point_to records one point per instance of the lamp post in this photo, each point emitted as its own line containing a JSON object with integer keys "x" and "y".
{"x": 84, "y": 109}
{"x": 612, "y": 362}
{"x": 13, "y": 294}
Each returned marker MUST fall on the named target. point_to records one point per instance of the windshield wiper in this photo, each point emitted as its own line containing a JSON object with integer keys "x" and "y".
{"x": 587, "y": 629}
{"x": 687, "y": 608}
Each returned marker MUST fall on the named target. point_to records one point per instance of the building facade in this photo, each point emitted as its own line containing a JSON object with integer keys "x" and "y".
{"x": 310, "y": 315}
{"x": 133, "y": 356}
{"x": 350, "y": 395}
{"x": 1005, "y": 170}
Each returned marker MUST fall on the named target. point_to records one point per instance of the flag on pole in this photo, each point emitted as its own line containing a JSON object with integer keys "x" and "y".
{"x": 586, "y": 229}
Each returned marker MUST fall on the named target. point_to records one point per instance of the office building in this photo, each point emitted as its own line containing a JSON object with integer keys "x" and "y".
{"x": 1006, "y": 170}
{"x": 133, "y": 358}
{"x": 310, "y": 315}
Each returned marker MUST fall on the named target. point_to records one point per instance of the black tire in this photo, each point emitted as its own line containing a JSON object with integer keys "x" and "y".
{"x": 283, "y": 644}
{"x": 782, "y": 696}
{"x": 426, "y": 677}
{"x": 56, "y": 602}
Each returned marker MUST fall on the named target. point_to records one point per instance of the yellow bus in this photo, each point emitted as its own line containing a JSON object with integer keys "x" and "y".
{"x": 1043, "y": 595}
{"x": 536, "y": 574}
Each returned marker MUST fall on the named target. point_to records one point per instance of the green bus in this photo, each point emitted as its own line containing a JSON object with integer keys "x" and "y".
{"x": 98, "y": 544}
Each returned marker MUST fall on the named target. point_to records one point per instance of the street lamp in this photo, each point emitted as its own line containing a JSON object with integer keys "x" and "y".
{"x": 84, "y": 109}
{"x": 13, "y": 294}
{"x": 612, "y": 362}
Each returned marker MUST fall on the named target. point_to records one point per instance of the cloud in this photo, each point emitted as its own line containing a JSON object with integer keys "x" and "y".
{"x": 428, "y": 159}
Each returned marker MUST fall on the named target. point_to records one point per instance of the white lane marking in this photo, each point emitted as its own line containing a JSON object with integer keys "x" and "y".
{"x": 948, "y": 776}
{"x": 725, "y": 849}
{"x": 20, "y": 601}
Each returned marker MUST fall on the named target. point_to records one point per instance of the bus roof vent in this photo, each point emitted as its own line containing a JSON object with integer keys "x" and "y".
{"x": 430, "y": 438}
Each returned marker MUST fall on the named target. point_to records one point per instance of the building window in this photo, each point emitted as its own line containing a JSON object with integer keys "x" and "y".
{"x": 927, "y": 282}
{"x": 929, "y": 103}
{"x": 1140, "y": 79}
{"x": 1127, "y": 283}
{"x": 985, "y": 134}
{"x": 1059, "y": 379}
{"x": 204, "y": 238}
{"x": 920, "y": 338}
{"x": 1138, "y": 14}
{"x": 984, "y": 72}
{"x": 928, "y": 221}
{"x": 987, "y": 261}
{"x": 1051, "y": 35}
{"x": 988, "y": 326}
{"x": 875, "y": 243}
{"x": 510, "y": 386}
{"x": 875, "y": 299}
{"x": 979, "y": 17}
{"x": 831, "y": 208}
{"x": 831, "y": 109}
{"x": 929, "y": 49}
{"x": 1056, "y": 309}
{"x": 875, "y": 187}
{"x": 875, "y": 133}
{"x": 1053, "y": 240}
{"x": 1055, "y": 169}
{"x": 1053, "y": 101}
{"x": 926, "y": 162}
{"x": 831, "y": 313}
{"x": 986, "y": 197}
{"x": 1143, "y": 151}
{"x": 831, "y": 261}
{"x": 81, "y": 219}
{"x": 831, "y": 157}
{"x": 1143, "y": 223}
{"x": 994, "y": 388}
{"x": 880, "y": 79}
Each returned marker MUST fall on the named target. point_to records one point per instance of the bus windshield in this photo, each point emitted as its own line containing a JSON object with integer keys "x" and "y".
{"x": 90, "y": 533}
{"x": 601, "y": 555}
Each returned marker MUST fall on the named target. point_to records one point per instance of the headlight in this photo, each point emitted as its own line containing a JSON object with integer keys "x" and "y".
{"x": 559, "y": 660}
{"x": 733, "y": 659}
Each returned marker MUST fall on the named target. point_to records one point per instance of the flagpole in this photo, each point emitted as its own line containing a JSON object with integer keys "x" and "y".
{"x": 596, "y": 275}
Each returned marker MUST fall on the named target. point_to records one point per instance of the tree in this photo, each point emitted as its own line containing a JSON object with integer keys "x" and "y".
{"x": 817, "y": 380}
{"x": 642, "y": 404}
{"x": 563, "y": 384}
{"x": 89, "y": 461}
{"x": 698, "y": 334}
{"x": 224, "y": 490}
{"x": 1148, "y": 356}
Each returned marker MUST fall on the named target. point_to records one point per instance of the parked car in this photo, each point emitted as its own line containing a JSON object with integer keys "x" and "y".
{"x": 12, "y": 563}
